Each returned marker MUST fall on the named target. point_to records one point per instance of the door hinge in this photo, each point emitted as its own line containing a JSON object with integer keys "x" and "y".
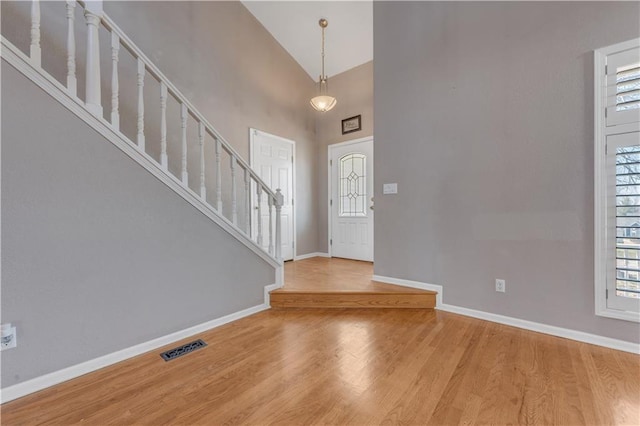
{"x": 292, "y": 159}
{"x": 331, "y": 202}
{"x": 293, "y": 244}
{"x": 331, "y": 162}
{"x": 606, "y": 293}
{"x": 606, "y": 69}
{"x": 292, "y": 201}
{"x": 330, "y": 242}
{"x": 606, "y": 149}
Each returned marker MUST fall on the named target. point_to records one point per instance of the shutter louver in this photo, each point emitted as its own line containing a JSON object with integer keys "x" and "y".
{"x": 628, "y": 89}
{"x": 628, "y": 221}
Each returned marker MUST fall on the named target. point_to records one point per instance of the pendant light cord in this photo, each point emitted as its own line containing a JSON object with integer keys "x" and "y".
{"x": 322, "y": 77}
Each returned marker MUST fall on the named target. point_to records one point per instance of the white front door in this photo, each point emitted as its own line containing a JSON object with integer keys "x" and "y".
{"x": 272, "y": 158}
{"x": 351, "y": 200}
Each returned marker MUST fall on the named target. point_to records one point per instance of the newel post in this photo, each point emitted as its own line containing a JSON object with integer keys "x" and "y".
{"x": 279, "y": 201}
{"x": 93, "y": 14}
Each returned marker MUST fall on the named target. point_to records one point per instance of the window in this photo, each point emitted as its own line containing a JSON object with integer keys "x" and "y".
{"x": 617, "y": 180}
{"x": 353, "y": 186}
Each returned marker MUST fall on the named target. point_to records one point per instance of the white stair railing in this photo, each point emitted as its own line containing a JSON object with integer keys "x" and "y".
{"x": 95, "y": 19}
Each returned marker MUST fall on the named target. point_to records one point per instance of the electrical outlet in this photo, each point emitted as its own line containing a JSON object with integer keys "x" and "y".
{"x": 8, "y": 337}
{"x": 501, "y": 285}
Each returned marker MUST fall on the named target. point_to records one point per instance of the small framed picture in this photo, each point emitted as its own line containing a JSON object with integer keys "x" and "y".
{"x": 351, "y": 124}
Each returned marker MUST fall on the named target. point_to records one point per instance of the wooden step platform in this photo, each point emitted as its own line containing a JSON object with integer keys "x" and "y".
{"x": 341, "y": 283}
{"x": 353, "y": 299}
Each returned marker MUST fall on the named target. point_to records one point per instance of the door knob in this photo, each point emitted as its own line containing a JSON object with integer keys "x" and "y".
{"x": 371, "y": 207}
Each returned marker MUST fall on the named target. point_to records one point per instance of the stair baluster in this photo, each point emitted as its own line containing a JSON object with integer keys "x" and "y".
{"x": 183, "y": 125}
{"x": 115, "y": 88}
{"x": 218, "y": 177}
{"x": 35, "y": 51}
{"x": 72, "y": 82}
{"x": 234, "y": 199}
{"x": 247, "y": 201}
{"x": 259, "y": 208}
{"x": 164, "y": 161}
{"x": 279, "y": 200}
{"x": 141, "y": 73}
{"x": 203, "y": 188}
{"x": 92, "y": 13}
{"x": 270, "y": 226}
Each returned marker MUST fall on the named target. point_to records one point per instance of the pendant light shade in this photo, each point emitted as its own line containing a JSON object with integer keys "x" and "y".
{"x": 323, "y": 102}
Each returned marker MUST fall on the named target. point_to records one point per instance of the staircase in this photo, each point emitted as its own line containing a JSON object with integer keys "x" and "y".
{"x": 341, "y": 283}
{"x": 225, "y": 188}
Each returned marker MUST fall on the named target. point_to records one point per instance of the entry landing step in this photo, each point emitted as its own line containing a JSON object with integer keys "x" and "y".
{"x": 392, "y": 297}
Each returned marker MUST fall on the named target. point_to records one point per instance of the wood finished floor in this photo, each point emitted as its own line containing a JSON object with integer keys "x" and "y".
{"x": 339, "y": 283}
{"x": 359, "y": 367}
{"x": 335, "y": 275}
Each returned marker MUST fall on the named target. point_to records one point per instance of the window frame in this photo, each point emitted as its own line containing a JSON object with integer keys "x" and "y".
{"x": 601, "y": 132}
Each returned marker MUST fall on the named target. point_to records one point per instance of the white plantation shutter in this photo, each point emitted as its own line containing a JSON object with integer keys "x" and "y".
{"x": 623, "y": 271}
{"x": 617, "y": 180}
{"x": 623, "y": 87}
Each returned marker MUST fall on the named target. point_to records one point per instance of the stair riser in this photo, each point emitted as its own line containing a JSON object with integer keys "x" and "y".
{"x": 376, "y": 301}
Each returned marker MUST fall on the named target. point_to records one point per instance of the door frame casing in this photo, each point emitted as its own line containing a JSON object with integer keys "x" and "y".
{"x": 252, "y": 132}
{"x": 330, "y": 149}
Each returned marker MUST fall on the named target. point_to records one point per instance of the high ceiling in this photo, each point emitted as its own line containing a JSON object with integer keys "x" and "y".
{"x": 294, "y": 24}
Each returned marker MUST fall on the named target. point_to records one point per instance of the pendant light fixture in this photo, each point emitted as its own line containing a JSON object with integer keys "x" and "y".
{"x": 323, "y": 102}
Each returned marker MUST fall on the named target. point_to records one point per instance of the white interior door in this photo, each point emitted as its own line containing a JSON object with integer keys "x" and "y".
{"x": 351, "y": 200}
{"x": 272, "y": 158}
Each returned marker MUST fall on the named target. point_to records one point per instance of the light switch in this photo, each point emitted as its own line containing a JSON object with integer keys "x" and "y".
{"x": 390, "y": 188}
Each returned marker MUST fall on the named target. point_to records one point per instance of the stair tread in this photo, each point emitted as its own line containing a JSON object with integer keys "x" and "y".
{"x": 358, "y": 292}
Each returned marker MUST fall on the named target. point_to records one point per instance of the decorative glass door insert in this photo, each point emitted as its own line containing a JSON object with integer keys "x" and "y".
{"x": 353, "y": 185}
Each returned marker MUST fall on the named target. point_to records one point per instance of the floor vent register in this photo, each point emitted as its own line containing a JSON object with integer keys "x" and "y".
{"x": 183, "y": 350}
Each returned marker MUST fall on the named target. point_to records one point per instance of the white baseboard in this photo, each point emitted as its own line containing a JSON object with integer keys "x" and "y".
{"x": 566, "y": 333}
{"x": 267, "y": 290}
{"x": 412, "y": 284}
{"x": 310, "y": 255}
{"x": 39, "y": 383}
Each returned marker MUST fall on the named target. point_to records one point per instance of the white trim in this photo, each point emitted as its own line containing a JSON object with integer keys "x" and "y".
{"x": 38, "y": 383}
{"x": 279, "y": 276}
{"x": 310, "y": 255}
{"x": 566, "y": 333}
{"x": 600, "y": 249}
{"x": 21, "y": 63}
{"x": 600, "y": 180}
{"x": 252, "y": 133}
{"x": 413, "y": 284}
{"x": 330, "y": 148}
{"x": 351, "y": 142}
{"x": 268, "y": 289}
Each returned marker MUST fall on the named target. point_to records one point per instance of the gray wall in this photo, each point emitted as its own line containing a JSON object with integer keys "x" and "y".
{"x": 97, "y": 254}
{"x": 354, "y": 91}
{"x": 483, "y": 116}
